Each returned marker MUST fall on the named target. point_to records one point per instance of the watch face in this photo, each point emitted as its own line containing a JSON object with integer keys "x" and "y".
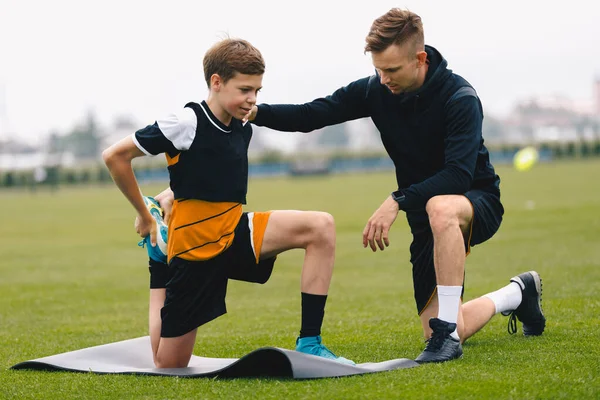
{"x": 398, "y": 197}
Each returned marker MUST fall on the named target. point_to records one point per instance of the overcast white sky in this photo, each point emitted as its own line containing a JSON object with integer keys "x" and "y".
{"x": 60, "y": 58}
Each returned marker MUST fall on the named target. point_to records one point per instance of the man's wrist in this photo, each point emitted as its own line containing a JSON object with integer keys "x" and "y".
{"x": 399, "y": 198}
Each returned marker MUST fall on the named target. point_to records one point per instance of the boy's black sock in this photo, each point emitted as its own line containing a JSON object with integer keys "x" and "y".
{"x": 313, "y": 311}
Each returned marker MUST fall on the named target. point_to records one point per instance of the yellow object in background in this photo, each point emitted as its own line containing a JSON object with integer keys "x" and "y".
{"x": 525, "y": 158}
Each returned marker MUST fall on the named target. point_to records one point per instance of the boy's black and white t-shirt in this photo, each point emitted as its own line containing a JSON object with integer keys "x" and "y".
{"x": 207, "y": 159}
{"x": 208, "y": 170}
{"x": 170, "y": 134}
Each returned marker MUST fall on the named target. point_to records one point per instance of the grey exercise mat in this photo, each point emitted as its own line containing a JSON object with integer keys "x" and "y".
{"x": 134, "y": 356}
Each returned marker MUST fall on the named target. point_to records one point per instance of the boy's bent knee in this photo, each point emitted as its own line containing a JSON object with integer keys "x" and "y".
{"x": 325, "y": 222}
{"x": 171, "y": 362}
{"x": 175, "y": 352}
{"x": 323, "y": 226}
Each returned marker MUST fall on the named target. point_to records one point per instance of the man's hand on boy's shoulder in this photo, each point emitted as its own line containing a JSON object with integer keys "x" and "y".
{"x": 251, "y": 115}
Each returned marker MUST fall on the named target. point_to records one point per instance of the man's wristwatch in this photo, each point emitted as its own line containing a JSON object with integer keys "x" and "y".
{"x": 398, "y": 197}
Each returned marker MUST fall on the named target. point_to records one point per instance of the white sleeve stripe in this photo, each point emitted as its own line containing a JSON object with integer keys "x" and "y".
{"x": 179, "y": 128}
{"x": 139, "y": 146}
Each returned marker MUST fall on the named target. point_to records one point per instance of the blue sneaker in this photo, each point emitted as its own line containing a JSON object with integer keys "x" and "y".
{"x": 314, "y": 346}
{"x": 159, "y": 252}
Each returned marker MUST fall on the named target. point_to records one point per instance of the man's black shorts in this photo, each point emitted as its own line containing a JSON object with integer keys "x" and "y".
{"x": 487, "y": 217}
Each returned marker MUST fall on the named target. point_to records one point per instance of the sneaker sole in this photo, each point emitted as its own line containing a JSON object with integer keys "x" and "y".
{"x": 440, "y": 362}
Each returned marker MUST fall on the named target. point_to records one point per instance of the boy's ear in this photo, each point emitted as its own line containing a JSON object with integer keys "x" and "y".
{"x": 216, "y": 82}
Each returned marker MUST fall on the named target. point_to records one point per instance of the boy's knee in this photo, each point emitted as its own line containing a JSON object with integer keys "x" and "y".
{"x": 170, "y": 362}
{"x": 323, "y": 227}
{"x": 325, "y": 222}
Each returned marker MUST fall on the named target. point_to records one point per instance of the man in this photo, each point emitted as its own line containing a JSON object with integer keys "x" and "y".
{"x": 430, "y": 121}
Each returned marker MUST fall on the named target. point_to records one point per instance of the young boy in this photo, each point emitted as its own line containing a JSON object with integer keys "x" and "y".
{"x": 210, "y": 238}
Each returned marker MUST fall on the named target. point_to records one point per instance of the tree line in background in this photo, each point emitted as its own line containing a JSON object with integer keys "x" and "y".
{"x": 96, "y": 173}
{"x": 86, "y": 140}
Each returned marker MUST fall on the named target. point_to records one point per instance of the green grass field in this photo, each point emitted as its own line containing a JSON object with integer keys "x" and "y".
{"x": 71, "y": 276}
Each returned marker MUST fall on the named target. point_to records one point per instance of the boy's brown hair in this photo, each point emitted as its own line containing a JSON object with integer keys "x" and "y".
{"x": 231, "y": 56}
{"x": 397, "y": 26}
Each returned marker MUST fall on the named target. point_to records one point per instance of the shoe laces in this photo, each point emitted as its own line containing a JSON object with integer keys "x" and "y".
{"x": 325, "y": 352}
{"x": 436, "y": 341}
{"x": 512, "y": 323}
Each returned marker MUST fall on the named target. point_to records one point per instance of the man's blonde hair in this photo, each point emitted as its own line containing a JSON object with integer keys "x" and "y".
{"x": 397, "y": 26}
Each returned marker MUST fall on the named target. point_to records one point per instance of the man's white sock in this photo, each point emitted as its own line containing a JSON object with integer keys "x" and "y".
{"x": 507, "y": 298}
{"x": 449, "y": 301}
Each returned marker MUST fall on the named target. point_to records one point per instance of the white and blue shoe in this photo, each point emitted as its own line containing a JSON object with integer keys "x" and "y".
{"x": 313, "y": 345}
{"x": 159, "y": 252}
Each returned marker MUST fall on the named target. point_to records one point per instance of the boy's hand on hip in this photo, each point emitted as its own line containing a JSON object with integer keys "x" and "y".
{"x": 165, "y": 200}
{"x": 146, "y": 225}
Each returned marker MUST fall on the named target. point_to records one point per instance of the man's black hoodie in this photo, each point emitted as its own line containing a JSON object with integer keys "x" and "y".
{"x": 433, "y": 135}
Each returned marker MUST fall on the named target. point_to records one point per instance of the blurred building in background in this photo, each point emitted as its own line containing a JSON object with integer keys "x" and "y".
{"x": 554, "y": 119}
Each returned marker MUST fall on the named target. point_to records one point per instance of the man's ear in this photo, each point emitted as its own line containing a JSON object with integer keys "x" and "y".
{"x": 421, "y": 58}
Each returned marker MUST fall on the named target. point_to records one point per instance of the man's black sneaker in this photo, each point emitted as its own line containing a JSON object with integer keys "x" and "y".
{"x": 441, "y": 346}
{"x": 529, "y": 311}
